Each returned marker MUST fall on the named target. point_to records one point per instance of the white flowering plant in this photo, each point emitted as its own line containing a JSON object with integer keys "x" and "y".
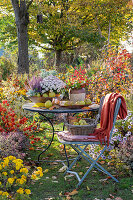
{"x": 38, "y": 86}
{"x": 52, "y": 84}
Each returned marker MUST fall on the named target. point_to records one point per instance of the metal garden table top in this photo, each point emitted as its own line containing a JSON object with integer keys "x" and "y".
{"x": 29, "y": 107}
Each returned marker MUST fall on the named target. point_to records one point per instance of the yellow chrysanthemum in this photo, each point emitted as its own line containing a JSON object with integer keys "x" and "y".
{"x": 6, "y": 160}
{"x": 0, "y": 167}
{"x": 27, "y": 191}
{"x": 39, "y": 168}
{"x": 10, "y": 180}
{"x": 1, "y": 192}
{"x": 4, "y": 165}
{"x": 18, "y": 165}
{"x": 4, "y": 173}
{"x": 18, "y": 180}
{"x": 5, "y": 194}
{"x": 37, "y": 172}
{"x": 12, "y": 172}
{"x": 19, "y": 161}
{"x": 14, "y": 161}
{"x": 23, "y": 177}
{"x": 20, "y": 191}
{"x": 21, "y": 181}
{"x": 25, "y": 170}
{"x": 41, "y": 174}
{"x": 33, "y": 176}
{"x": 11, "y": 157}
{"x": 0, "y": 183}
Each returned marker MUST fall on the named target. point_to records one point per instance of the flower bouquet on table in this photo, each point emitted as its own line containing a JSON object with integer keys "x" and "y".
{"x": 77, "y": 84}
{"x": 43, "y": 90}
{"x": 78, "y": 79}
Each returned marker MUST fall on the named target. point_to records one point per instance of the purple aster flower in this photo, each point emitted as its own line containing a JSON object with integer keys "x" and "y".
{"x": 129, "y": 127}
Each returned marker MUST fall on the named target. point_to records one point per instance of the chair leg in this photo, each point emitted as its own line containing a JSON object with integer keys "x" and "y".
{"x": 93, "y": 165}
{"x": 81, "y": 152}
{"x": 90, "y": 161}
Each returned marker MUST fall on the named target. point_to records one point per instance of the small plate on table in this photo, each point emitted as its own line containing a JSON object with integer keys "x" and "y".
{"x": 62, "y": 104}
{"x": 95, "y": 106}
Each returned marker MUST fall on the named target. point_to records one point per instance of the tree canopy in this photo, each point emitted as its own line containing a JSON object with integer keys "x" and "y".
{"x": 70, "y": 23}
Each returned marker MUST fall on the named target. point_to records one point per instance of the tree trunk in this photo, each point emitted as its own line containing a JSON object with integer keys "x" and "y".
{"x": 58, "y": 59}
{"x": 22, "y": 21}
{"x": 23, "y": 58}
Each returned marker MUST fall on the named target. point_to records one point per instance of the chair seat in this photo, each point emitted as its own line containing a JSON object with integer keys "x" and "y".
{"x": 66, "y": 136}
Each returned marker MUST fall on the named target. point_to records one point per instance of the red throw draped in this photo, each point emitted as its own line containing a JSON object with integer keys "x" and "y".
{"x": 107, "y": 114}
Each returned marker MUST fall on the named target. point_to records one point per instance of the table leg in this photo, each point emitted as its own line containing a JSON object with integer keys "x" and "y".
{"x": 51, "y": 138}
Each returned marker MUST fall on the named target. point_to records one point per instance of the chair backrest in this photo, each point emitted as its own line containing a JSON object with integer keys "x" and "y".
{"x": 100, "y": 108}
{"x": 101, "y": 104}
{"x": 117, "y": 107}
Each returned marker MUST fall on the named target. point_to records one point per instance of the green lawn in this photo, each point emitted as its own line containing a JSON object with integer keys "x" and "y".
{"x": 53, "y": 185}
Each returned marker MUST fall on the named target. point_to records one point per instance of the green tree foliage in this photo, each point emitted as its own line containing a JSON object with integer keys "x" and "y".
{"x": 69, "y": 24}
{"x": 62, "y": 29}
{"x": 8, "y": 35}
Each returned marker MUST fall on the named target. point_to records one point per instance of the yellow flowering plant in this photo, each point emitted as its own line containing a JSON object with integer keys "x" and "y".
{"x": 15, "y": 178}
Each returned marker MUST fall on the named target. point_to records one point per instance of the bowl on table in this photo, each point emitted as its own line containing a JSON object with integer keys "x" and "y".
{"x": 36, "y": 99}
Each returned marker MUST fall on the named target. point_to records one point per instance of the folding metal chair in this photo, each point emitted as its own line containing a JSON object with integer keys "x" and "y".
{"x": 80, "y": 148}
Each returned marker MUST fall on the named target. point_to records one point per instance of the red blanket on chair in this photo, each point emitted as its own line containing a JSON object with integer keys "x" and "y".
{"x": 101, "y": 134}
{"x": 107, "y": 115}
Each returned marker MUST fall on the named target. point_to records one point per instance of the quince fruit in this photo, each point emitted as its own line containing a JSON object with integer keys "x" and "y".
{"x": 88, "y": 101}
{"x": 75, "y": 123}
{"x": 77, "y": 103}
{"x": 66, "y": 103}
{"x": 45, "y": 95}
{"x": 82, "y": 122}
{"x": 48, "y": 104}
{"x": 38, "y": 95}
{"x": 51, "y": 94}
{"x": 81, "y": 103}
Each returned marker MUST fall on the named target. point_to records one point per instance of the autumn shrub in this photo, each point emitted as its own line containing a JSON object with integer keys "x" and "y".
{"x": 13, "y": 143}
{"x": 121, "y": 145}
{"x": 16, "y": 178}
{"x": 6, "y": 67}
{"x": 9, "y": 121}
{"x": 126, "y": 152}
{"x": 12, "y": 126}
{"x": 114, "y": 75}
{"x": 14, "y": 90}
{"x": 124, "y": 142}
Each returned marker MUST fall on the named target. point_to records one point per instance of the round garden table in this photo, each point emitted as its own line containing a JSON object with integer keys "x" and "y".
{"x": 60, "y": 110}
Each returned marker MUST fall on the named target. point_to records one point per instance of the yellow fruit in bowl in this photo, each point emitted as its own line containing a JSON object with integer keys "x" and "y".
{"x": 45, "y": 95}
{"x": 66, "y": 103}
{"x": 51, "y": 94}
{"x": 81, "y": 103}
{"x": 88, "y": 102}
{"x": 75, "y": 123}
{"x": 82, "y": 122}
{"x": 48, "y": 104}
